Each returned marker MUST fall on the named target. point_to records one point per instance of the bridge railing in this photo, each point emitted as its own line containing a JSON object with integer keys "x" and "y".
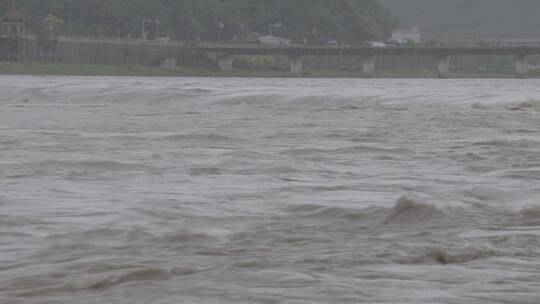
{"x": 212, "y": 45}
{"x": 467, "y": 44}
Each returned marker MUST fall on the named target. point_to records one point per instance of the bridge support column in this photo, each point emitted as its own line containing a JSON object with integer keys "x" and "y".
{"x": 443, "y": 66}
{"x": 169, "y": 63}
{"x": 368, "y": 66}
{"x": 223, "y": 61}
{"x": 225, "y": 64}
{"x": 296, "y": 64}
{"x": 522, "y": 66}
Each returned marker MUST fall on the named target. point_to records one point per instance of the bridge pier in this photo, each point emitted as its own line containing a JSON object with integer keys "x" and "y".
{"x": 169, "y": 63}
{"x": 225, "y": 64}
{"x": 368, "y": 66}
{"x": 443, "y": 66}
{"x": 522, "y": 66}
{"x": 296, "y": 64}
{"x": 223, "y": 61}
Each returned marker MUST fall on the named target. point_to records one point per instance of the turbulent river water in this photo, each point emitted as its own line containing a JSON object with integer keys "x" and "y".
{"x": 191, "y": 190}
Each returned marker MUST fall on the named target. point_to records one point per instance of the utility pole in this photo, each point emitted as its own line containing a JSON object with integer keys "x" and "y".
{"x": 143, "y": 30}
{"x": 271, "y": 27}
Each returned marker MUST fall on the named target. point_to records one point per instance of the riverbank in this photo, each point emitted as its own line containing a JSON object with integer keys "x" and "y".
{"x": 69, "y": 69}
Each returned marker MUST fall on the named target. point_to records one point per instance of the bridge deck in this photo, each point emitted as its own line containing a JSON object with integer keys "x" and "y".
{"x": 419, "y": 49}
{"x": 433, "y": 49}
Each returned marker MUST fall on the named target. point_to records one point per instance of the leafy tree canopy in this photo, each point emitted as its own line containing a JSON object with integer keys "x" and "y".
{"x": 216, "y": 20}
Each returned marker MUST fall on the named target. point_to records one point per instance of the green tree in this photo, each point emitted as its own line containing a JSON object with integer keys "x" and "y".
{"x": 213, "y": 20}
{"x": 51, "y": 25}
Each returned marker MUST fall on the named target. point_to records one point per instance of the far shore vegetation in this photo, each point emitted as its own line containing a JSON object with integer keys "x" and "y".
{"x": 210, "y": 20}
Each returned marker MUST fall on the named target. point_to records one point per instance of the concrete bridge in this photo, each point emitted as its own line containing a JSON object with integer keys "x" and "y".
{"x": 222, "y": 54}
{"x": 443, "y": 51}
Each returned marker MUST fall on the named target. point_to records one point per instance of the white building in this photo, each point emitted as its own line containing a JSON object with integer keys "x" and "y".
{"x": 406, "y": 35}
{"x": 274, "y": 41}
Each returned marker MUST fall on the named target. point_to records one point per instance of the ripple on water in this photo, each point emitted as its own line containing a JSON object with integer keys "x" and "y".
{"x": 118, "y": 190}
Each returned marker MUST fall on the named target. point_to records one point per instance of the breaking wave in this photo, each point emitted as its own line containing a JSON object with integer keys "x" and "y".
{"x": 408, "y": 211}
{"x": 93, "y": 281}
{"x": 451, "y": 256}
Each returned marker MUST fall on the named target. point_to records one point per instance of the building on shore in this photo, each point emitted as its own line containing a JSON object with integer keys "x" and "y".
{"x": 13, "y": 23}
{"x": 12, "y": 31}
{"x": 403, "y": 36}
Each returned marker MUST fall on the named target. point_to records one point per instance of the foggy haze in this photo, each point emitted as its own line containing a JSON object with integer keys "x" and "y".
{"x": 469, "y": 18}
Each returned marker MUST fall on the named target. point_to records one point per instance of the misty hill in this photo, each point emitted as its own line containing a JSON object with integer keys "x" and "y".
{"x": 215, "y": 20}
{"x": 469, "y": 18}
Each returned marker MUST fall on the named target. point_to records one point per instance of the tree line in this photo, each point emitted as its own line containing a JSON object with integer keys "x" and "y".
{"x": 349, "y": 21}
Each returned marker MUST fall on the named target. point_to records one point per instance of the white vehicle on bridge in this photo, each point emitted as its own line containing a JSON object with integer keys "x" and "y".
{"x": 163, "y": 39}
{"x": 274, "y": 41}
{"x": 374, "y": 44}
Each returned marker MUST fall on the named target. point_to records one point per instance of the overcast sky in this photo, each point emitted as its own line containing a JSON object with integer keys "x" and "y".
{"x": 490, "y": 18}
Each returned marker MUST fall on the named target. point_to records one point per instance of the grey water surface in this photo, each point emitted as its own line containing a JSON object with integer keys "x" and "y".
{"x": 202, "y": 191}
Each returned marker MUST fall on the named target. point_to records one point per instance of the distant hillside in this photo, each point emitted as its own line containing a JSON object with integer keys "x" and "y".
{"x": 213, "y": 20}
{"x": 469, "y": 18}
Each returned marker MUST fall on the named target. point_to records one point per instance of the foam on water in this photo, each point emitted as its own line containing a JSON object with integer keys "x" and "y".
{"x": 192, "y": 190}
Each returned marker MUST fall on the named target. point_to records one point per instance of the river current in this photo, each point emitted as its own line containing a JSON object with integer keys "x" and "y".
{"x": 293, "y": 191}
